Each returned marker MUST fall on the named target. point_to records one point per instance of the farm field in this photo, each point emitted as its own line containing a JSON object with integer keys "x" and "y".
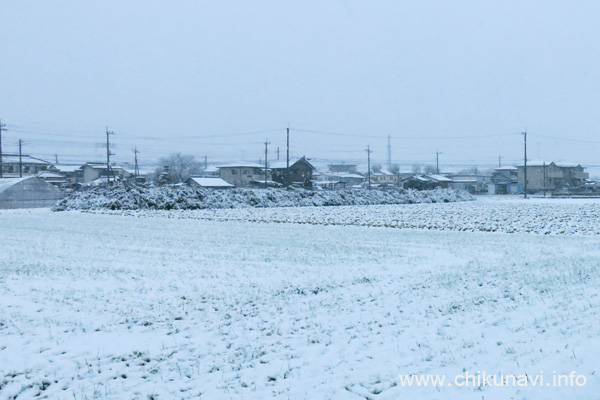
{"x": 299, "y": 303}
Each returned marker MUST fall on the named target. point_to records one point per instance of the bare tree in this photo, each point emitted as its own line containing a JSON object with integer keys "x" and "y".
{"x": 430, "y": 169}
{"x": 181, "y": 166}
{"x": 474, "y": 170}
{"x": 376, "y": 167}
{"x": 416, "y": 168}
{"x": 395, "y": 169}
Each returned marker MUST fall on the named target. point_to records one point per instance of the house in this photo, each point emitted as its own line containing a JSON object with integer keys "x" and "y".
{"x": 504, "y": 181}
{"x": 209, "y": 182}
{"x": 329, "y": 185}
{"x": 383, "y": 177}
{"x": 28, "y": 192}
{"x": 53, "y": 178}
{"x": 428, "y": 182}
{"x": 474, "y": 183}
{"x": 30, "y": 165}
{"x": 72, "y": 172}
{"x": 300, "y": 172}
{"x": 242, "y": 174}
{"x": 545, "y": 176}
{"x": 93, "y": 171}
{"x": 348, "y": 179}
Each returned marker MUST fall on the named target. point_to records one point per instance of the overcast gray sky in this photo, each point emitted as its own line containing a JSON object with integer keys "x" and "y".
{"x": 186, "y": 75}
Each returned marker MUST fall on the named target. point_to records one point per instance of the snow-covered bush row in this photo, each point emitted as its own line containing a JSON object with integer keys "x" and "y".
{"x": 550, "y": 217}
{"x": 128, "y": 197}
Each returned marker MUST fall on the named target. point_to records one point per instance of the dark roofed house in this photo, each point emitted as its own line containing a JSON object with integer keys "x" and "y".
{"x": 300, "y": 172}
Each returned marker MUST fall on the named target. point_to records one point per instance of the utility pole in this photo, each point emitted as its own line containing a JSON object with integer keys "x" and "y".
{"x": 499, "y": 161}
{"x": 205, "y": 161}
{"x": 20, "y": 159}
{"x": 437, "y": 162}
{"x": 369, "y": 151}
{"x": 56, "y": 157}
{"x": 389, "y": 152}
{"x": 277, "y": 153}
{"x": 2, "y": 128}
{"x": 525, "y": 163}
{"x": 288, "y": 148}
{"x": 267, "y": 143}
{"x": 108, "y": 133}
{"x": 136, "y": 170}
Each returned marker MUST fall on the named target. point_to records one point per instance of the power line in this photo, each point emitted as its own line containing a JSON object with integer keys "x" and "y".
{"x": 404, "y": 137}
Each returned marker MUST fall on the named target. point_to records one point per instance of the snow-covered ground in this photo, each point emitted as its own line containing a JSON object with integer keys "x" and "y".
{"x": 133, "y": 307}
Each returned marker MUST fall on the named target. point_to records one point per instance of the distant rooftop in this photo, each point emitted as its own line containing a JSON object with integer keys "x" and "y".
{"x": 241, "y": 165}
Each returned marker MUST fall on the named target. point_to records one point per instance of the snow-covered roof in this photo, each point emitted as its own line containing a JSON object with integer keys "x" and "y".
{"x": 541, "y": 163}
{"x": 241, "y": 165}
{"x": 318, "y": 183}
{"x": 566, "y": 164}
{"x": 67, "y": 167}
{"x": 101, "y": 166}
{"x": 421, "y": 178}
{"x": 282, "y": 164}
{"x": 440, "y": 178}
{"x": 47, "y": 175}
{"x": 507, "y": 168}
{"x": 6, "y": 183}
{"x": 211, "y": 182}
{"x": 14, "y": 159}
{"x": 382, "y": 172}
{"x": 537, "y": 163}
{"x": 344, "y": 175}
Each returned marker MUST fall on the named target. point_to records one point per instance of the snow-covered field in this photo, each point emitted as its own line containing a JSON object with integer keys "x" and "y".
{"x": 488, "y": 214}
{"x": 133, "y": 306}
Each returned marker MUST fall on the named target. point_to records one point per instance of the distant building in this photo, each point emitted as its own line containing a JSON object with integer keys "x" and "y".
{"x": 473, "y": 183}
{"x": 53, "y": 178}
{"x": 348, "y": 179}
{"x": 427, "y": 182}
{"x": 300, "y": 172}
{"x": 342, "y": 168}
{"x": 72, "y": 172}
{"x": 209, "y": 182}
{"x": 549, "y": 176}
{"x": 504, "y": 180}
{"x": 383, "y": 177}
{"x": 93, "y": 171}
{"x": 242, "y": 174}
{"x": 28, "y": 192}
{"x": 30, "y": 165}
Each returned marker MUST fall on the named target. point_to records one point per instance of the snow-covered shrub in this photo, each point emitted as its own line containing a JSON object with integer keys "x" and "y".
{"x": 129, "y": 197}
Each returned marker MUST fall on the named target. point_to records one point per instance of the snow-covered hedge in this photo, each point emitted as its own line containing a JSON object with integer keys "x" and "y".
{"x": 130, "y": 197}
